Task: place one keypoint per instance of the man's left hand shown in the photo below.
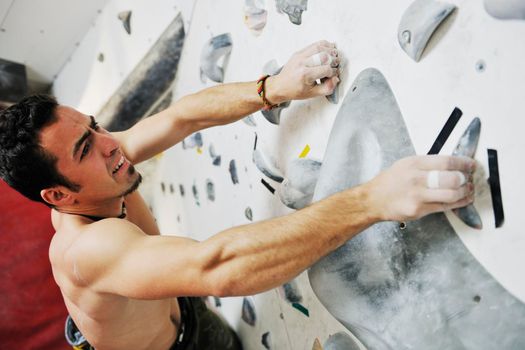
(298, 78)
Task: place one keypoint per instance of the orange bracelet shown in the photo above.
(260, 90)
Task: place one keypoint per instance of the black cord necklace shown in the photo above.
(98, 218)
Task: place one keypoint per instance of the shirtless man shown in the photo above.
(120, 279)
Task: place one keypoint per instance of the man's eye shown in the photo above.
(85, 150)
(96, 126)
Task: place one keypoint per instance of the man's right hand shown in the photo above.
(420, 185)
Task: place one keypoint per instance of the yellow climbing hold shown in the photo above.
(305, 151)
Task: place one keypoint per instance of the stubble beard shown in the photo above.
(136, 183)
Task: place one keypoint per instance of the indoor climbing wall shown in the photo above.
(418, 77)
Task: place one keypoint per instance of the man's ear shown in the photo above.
(57, 196)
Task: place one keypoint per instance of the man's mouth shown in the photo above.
(119, 165)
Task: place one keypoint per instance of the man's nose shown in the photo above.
(108, 145)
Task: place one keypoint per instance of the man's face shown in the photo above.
(88, 156)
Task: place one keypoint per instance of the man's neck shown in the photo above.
(113, 209)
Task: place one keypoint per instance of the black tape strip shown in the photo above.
(255, 143)
(446, 131)
(495, 189)
(268, 186)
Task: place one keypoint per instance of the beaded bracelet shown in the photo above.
(261, 91)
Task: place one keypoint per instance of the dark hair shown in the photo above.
(24, 164)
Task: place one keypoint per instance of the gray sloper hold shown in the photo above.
(274, 115)
(418, 23)
(298, 187)
(417, 288)
(216, 48)
(266, 164)
(467, 145)
(293, 8)
(340, 341)
(505, 9)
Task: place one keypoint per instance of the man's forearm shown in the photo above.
(224, 104)
(253, 258)
(218, 105)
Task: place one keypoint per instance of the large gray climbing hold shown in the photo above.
(298, 187)
(466, 147)
(293, 8)
(417, 288)
(216, 48)
(418, 23)
(506, 9)
(341, 341)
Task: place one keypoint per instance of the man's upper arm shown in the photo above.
(115, 256)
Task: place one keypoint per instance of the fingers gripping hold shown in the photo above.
(445, 179)
(435, 162)
(316, 73)
(322, 58)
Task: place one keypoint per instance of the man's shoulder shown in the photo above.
(88, 247)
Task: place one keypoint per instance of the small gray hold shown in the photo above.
(249, 121)
(216, 159)
(233, 172)
(248, 213)
(293, 8)
(266, 340)
(192, 141)
(195, 194)
(292, 294)
(125, 18)
(480, 66)
(248, 311)
(210, 190)
(214, 49)
(266, 164)
(419, 22)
